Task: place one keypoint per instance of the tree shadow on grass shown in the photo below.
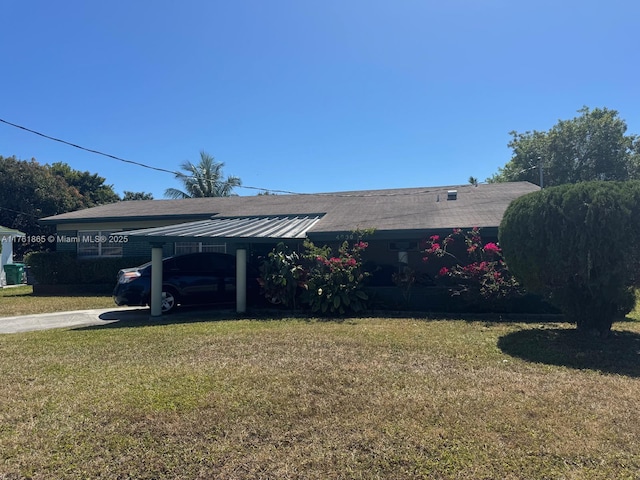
(618, 354)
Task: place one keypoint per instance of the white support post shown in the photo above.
(156, 280)
(241, 280)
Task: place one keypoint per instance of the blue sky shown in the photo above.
(307, 96)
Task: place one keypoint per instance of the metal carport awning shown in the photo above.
(249, 229)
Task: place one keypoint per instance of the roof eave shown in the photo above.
(181, 217)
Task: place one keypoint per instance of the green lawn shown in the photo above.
(294, 398)
(21, 301)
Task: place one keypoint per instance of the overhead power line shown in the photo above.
(175, 173)
(89, 149)
(114, 157)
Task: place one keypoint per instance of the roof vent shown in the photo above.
(452, 194)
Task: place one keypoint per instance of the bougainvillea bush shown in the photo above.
(335, 283)
(476, 270)
(327, 282)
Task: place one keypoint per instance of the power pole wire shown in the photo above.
(89, 149)
(139, 164)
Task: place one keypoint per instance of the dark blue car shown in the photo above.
(194, 278)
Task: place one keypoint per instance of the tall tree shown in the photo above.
(128, 195)
(89, 185)
(29, 191)
(591, 146)
(203, 180)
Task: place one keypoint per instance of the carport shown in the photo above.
(240, 232)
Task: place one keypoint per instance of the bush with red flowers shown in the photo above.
(482, 273)
(335, 283)
(320, 279)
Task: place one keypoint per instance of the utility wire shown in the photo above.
(139, 164)
(180, 174)
(88, 149)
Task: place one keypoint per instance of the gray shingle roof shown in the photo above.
(385, 210)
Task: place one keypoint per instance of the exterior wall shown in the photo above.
(139, 248)
(132, 248)
(66, 246)
(6, 257)
(383, 258)
(118, 225)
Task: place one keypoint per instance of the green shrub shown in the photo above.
(64, 268)
(327, 283)
(335, 283)
(576, 245)
(282, 276)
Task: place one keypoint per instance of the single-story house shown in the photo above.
(253, 225)
(7, 237)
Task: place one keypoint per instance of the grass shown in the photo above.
(21, 301)
(294, 398)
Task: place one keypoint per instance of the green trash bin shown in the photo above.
(14, 273)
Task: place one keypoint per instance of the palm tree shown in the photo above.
(203, 180)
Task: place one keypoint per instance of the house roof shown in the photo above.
(10, 232)
(406, 209)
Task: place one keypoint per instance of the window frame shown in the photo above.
(99, 245)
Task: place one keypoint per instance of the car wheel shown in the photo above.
(169, 301)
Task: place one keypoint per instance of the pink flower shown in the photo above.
(443, 272)
(456, 231)
(492, 248)
(435, 247)
(434, 238)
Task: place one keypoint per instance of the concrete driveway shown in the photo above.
(80, 318)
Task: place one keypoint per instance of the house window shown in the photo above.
(99, 243)
(193, 247)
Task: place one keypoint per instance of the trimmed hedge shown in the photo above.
(576, 245)
(64, 268)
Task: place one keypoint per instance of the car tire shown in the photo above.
(169, 300)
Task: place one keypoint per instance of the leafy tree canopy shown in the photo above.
(90, 186)
(30, 191)
(136, 196)
(203, 179)
(591, 146)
